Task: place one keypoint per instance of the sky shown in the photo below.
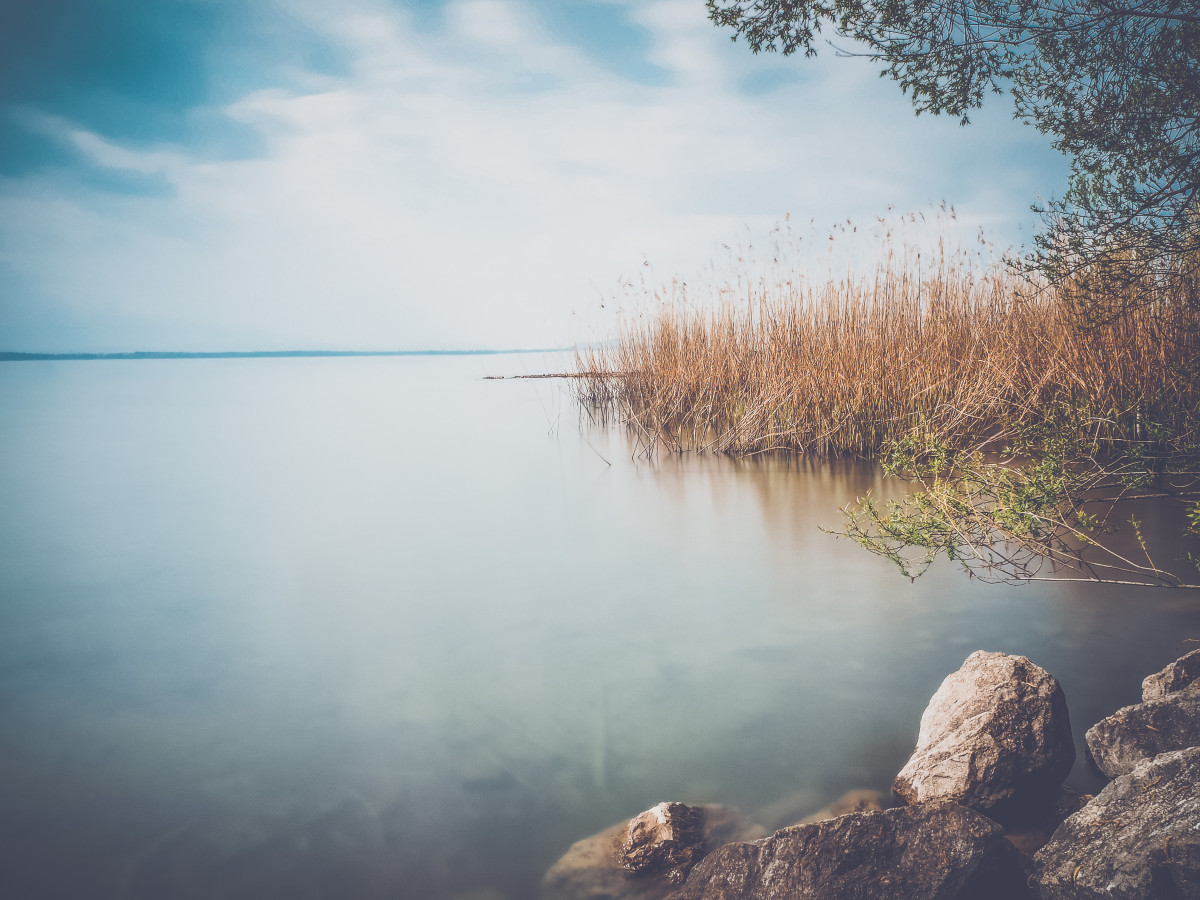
(198, 175)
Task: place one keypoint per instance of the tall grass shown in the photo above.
(955, 351)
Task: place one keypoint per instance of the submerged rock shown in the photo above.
(996, 736)
(930, 851)
(850, 802)
(1138, 733)
(597, 867)
(798, 808)
(1138, 839)
(1175, 677)
(789, 808)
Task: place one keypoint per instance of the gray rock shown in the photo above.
(996, 736)
(931, 851)
(1175, 677)
(1139, 839)
(667, 839)
(594, 868)
(1137, 733)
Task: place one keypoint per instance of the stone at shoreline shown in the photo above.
(593, 869)
(1139, 839)
(850, 802)
(1137, 733)
(798, 808)
(667, 839)
(996, 736)
(1175, 677)
(930, 851)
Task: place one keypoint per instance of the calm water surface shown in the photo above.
(358, 628)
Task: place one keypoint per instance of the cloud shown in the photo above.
(473, 185)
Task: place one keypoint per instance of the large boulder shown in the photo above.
(1137, 733)
(1175, 677)
(931, 851)
(1139, 839)
(600, 868)
(996, 737)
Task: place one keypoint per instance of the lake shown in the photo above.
(379, 627)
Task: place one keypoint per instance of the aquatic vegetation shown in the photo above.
(1019, 428)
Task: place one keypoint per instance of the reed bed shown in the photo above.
(954, 352)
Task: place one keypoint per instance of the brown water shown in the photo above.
(358, 628)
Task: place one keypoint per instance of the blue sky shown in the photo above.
(377, 174)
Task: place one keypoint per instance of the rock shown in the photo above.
(1137, 733)
(930, 850)
(996, 737)
(1175, 677)
(850, 802)
(1138, 839)
(667, 839)
(592, 868)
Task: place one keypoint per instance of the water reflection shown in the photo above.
(377, 627)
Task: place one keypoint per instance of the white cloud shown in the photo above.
(474, 187)
(496, 23)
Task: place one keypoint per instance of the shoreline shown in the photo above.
(980, 810)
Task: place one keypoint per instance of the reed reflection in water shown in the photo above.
(378, 627)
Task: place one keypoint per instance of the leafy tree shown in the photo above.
(1116, 83)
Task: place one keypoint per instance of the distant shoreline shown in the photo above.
(6, 356)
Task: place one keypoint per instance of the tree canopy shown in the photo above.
(1115, 84)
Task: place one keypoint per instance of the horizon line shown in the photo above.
(18, 356)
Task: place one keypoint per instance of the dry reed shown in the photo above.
(959, 352)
